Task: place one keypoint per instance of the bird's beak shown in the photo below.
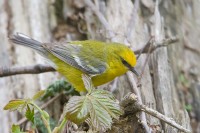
(134, 71)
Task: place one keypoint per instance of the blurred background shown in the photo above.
(170, 82)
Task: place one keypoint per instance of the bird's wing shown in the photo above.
(73, 55)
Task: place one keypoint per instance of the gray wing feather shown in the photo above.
(70, 53)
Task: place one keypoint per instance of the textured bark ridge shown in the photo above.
(170, 81)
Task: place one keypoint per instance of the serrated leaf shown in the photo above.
(14, 104)
(100, 118)
(30, 114)
(108, 102)
(16, 129)
(98, 106)
(38, 94)
(103, 94)
(77, 109)
(104, 108)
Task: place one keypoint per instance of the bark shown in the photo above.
(6, 117)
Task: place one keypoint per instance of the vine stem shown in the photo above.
(44, 118)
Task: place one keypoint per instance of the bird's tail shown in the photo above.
(24, 40)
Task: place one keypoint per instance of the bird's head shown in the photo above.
(128, 59)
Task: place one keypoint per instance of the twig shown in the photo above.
(163, 43)
(192, 49)
(148, 44)
(35, 69)
(137, 92)
(146, 60)
(42, 107)
(132, 100)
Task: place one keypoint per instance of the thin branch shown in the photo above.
(192, 49)
(163, 43)
(150, 41)
(146, 60)
(35, 69)
(131, 102)
(137, 92)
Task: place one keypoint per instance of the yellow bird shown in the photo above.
(102, 61)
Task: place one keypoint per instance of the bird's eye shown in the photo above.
(126, 63)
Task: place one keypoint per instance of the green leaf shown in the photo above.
(77, 109)
(38, 94)
(14, 104)
(100, 118)
(30, 114)
(16, 129)
(108, 102)
(98, 106)
(105, 107)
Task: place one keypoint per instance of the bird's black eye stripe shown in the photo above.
(126, 63)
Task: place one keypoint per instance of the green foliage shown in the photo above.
(38, 94)
(188, 107)
(30, 106)
(20, 104)
(16, 129)
(98, 107)
(16, 104)
(58, 87)
(30, 114)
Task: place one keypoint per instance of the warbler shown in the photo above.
(100, 60)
